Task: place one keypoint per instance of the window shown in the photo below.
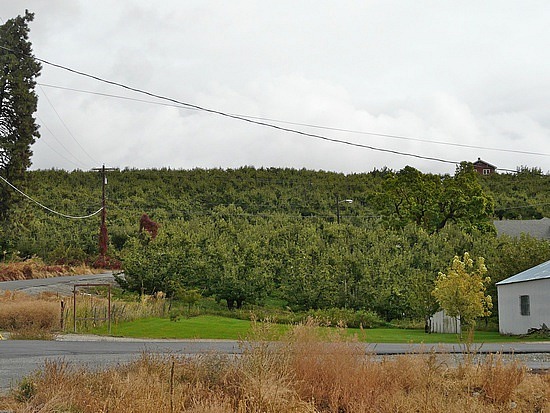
(486, 172)
(524, 305)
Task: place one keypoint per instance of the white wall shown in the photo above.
(510, 319)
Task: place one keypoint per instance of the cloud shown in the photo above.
(432, 71)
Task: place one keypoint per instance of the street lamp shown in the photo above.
(338, 202)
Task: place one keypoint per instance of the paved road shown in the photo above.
(61, 285)
(19, 358)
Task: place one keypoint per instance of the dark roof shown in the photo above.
(537, 228)
(539, 272)
(480, 161)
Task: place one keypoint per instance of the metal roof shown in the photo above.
(539, 272)
(537, 228)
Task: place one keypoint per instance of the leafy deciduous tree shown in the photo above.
(461, 292)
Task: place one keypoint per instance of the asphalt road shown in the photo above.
(19, 358)
(61, 285)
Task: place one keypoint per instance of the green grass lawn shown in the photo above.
(205, 327)
(215, 327)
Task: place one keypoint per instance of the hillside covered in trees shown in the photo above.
(372, 241)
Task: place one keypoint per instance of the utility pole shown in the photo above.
(103, 235)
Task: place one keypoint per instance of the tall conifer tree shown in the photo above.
(18, 102)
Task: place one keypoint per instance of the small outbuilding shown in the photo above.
(524, 300)
(440, 322)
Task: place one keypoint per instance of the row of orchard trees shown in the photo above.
(395, 198)
(314, 264)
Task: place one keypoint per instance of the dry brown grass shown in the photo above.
(301, 374)
(29, 317)
(39, 316)
(35, 268)
(92, 310)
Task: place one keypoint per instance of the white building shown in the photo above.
(524, 300)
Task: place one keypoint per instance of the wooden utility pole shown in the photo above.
(103, 235)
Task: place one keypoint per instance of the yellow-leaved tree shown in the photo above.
(461, 292)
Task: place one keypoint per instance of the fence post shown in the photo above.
(74, 308)
(62, 315)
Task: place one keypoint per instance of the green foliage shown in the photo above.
(432, 201)
(338, 317)
(461, 292)
(247, 236)
(26, 390)
(523, 195)
(18, 102)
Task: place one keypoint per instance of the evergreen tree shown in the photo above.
(18, 102)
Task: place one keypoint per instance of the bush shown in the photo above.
(346, 318)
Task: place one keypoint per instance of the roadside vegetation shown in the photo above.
(303, 373)
(26, 317)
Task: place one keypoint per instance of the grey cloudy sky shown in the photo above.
(466, 73)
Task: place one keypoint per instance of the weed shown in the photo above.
(25, 391)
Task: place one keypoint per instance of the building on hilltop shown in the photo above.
(484, 168)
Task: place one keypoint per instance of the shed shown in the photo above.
(524, 300)
(440, 322)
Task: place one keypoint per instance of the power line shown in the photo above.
(241, 118)
(62, 145)
(49, 209)
(65, 125)
(408, 138)
(245, 119)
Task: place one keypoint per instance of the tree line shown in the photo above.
(245, 235)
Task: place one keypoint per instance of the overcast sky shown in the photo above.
(473, 76)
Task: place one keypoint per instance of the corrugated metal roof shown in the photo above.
(539, 272)
(537, 228)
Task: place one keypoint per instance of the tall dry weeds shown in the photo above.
(28, 317)
(304, 373)
(35, 268)
(39, 316)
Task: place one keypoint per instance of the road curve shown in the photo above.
(62, 285)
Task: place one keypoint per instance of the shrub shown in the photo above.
(345, 318)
